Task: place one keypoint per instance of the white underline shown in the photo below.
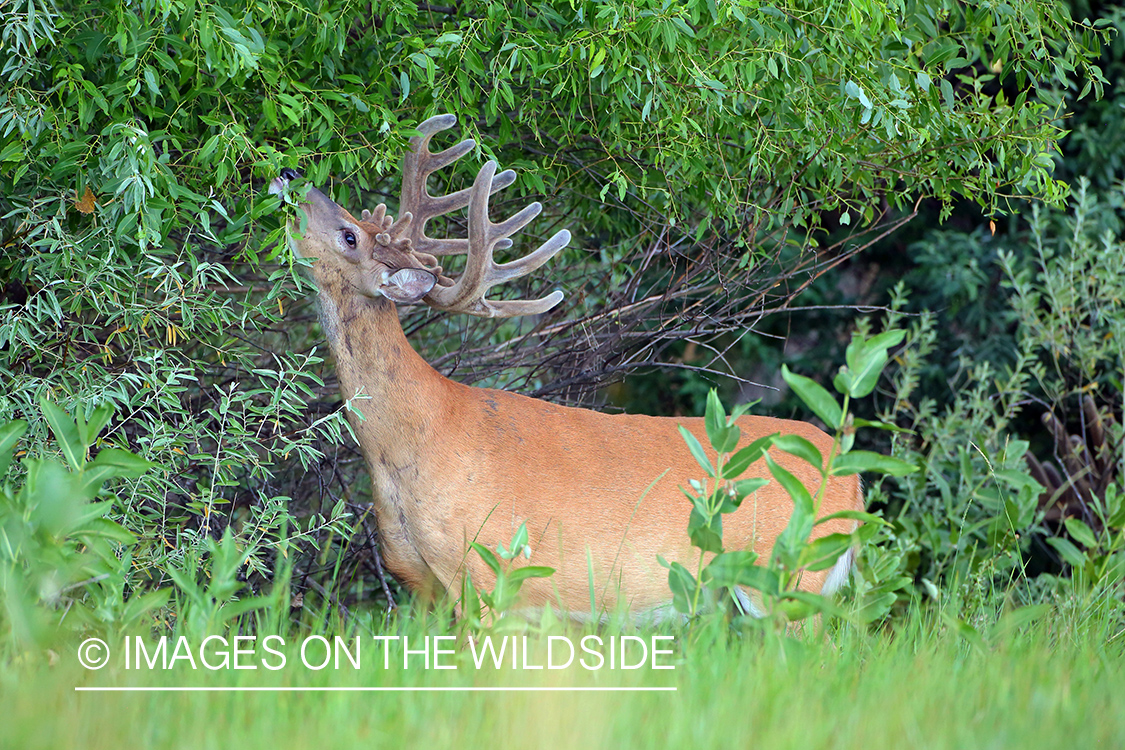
(218, 689)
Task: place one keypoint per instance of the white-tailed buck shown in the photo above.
(451, 464)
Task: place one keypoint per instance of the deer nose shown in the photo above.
(287, 175)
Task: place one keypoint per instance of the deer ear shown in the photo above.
(407, 285)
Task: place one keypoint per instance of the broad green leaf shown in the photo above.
(1082, 533)
(88, 429)
(234, 609)
(715, 421)
(519, 540)
(518, 575)
(743, 488)
(683, 586)
(855, 515)
(66, 433)
(107, 529)
(963, 629)
(874, 608)
(10, 433)
(488, 556)
(823, 553)
(760, 578)
(705, 533)
(797, 605)
(697, 451)
(1014, 620)
(741, 461)
(880, 425)
(787, 548)
(866, 359)
(121, 463)
(739, 569)
(139, 605)
(855, 462)
(801, 448)
(797, 491)
(814, 396)
(1070, 554)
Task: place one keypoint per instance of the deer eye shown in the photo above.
(349, 238)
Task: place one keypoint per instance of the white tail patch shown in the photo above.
(838, 576)
(746, 603)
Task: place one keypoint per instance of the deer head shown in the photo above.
(380, 256)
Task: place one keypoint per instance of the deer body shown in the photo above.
(452, 464)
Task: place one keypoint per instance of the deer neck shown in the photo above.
(399, 397)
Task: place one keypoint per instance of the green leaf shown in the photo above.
(797, 605)
(880, 425)
(705, 533)
(88, 429)
(487, 555)
(10, 433)
(1082, 533)
(947, 94)
(231, 610)
(66, 433)
(737, 568)
(518, 575)
(814, 396)
(1014, 620)
(142, 604)
(519, 540)
(823, 553)
(741, 461)
(107, 529)
(122, 463)
(855, 515)
(855, 462)
(866, 359)
(1070, 554)
(964, 629)
(875, 607)
(789, 543)
(470, 602)
(744, 487)
(697, 451)
(718, 431)
(761, 578)
(801, 448)
(682, 584)
(796, 490)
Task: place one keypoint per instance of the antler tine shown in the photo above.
(482, 272)
(418, 165)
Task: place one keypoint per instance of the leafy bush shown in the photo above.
(979, 512)
(63, 564)
(793, 553)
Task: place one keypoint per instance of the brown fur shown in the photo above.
(452, 464)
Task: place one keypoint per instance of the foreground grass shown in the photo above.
(1052, 684)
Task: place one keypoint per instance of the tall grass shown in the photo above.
(1049, 680)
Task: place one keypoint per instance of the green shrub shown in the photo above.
(983, 505)
(63, 564)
